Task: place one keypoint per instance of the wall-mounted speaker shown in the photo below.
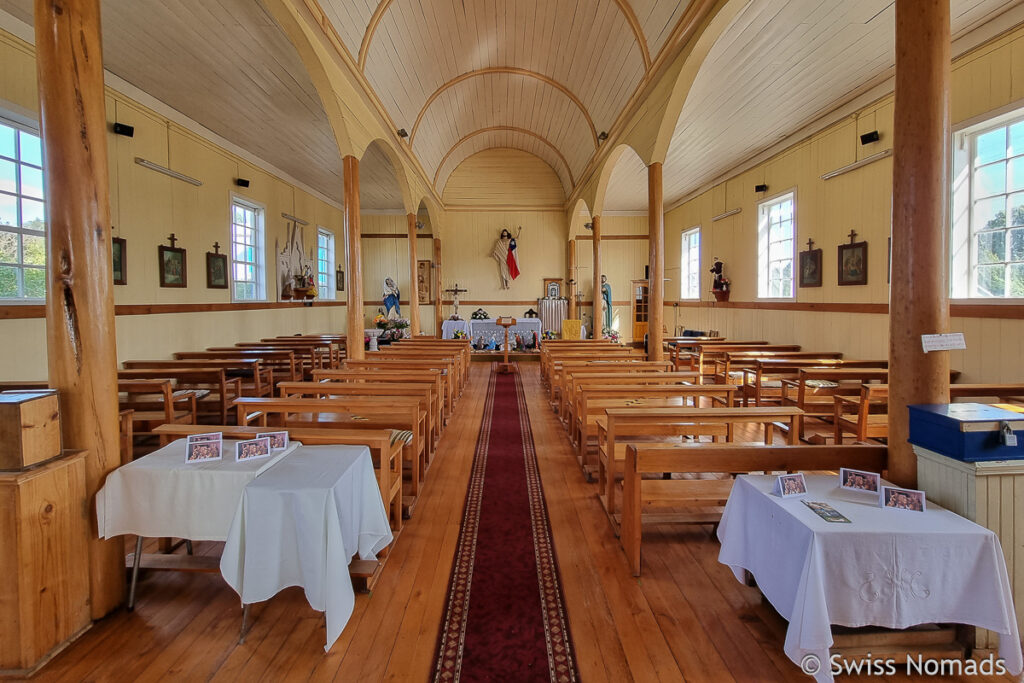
(241, 182)
(124, 129)
(760, 188)
(868, 138)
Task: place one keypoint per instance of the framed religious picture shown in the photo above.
(423, 281)
(173, 267)
(119, 260)
(853, 263)
(810, 268)
(216, 270)
(339, 280)
(552, 288)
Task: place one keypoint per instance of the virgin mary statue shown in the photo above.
(391, 297)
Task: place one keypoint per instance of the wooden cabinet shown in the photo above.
(44, 559)
(640, 312)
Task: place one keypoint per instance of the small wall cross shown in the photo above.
(852, 236)
(216, 247)
(810, 244)
(172, 239)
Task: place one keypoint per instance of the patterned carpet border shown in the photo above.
(451, 640)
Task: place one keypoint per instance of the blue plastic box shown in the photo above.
(970, 432)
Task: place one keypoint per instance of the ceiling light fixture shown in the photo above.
(720, 216)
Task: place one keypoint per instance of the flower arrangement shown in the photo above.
(459, 334)
(550, 334)
(610, 334)
(393, 328)
(480, 314)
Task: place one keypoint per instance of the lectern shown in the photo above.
(505, 366)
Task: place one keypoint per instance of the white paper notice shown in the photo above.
(943, 342)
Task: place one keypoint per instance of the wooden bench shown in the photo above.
(640, 494)
(385, 451)
(705, 353)
(813, 389)
(430, 378)
(600, 353)
(574, 381)
(363, 412)
(763, 382)
(458, 367)
(730, 367)
(283, 363)
(650, 398)
(222, 390)
(152, 402)
(563, 371)
(447, 380)
(255, 380)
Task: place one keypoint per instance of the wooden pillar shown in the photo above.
(438, 294)
(656, 241)
(918, 295)
(353, 232)
(414, 298)
(82, 355)
(571, 283)
(598, 299)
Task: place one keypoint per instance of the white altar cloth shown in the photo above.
(448, 328)
(162, 495)
(889, 568)
(301, 523)
(490, 328)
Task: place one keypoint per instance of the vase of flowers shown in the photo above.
(393, 328)
(610, 334)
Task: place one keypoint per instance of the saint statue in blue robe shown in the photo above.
(391, 298)
(606, 294)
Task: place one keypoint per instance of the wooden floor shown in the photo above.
(687, 618)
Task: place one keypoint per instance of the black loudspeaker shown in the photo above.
(647, 272)
(124, 129)
(760, 188)
(241, 182)
(868, 138)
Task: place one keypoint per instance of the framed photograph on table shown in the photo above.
(173, 267)
(216, 271)
(853, 263)
(119, 260)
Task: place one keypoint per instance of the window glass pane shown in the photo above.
(32, 182)
(30, 151)
(239, 290)
(1016, 204)
(991, 280)
(8, 247)
(239, 272)
(8, 210)
(990, 147)
(1015, 174)
(990, 213)
(786, 210)
(35, 282)
(1017, 138)
(1017, 244)
(8, 281)
(8, 183)
(33, 216)
(990, 180)
(34, 250)
(1017, 280)
(6, 141)
(991, 247)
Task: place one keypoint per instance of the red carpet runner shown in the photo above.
(505, 620)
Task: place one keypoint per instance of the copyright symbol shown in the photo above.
(810, 664)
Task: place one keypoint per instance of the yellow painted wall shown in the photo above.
(503, 177)
(986, 80)
(147, 206)
(622, 261)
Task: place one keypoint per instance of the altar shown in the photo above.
(489, 329)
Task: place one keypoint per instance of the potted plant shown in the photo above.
(721, 285)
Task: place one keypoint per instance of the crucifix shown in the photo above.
(852, 236)
(810, 244)
(455, 291)
(172, 239)
(216, 247)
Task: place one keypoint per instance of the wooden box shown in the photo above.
(44, 559)
(29, 428)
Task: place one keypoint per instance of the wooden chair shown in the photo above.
(853, 414)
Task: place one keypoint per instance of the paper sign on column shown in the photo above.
(943, 342)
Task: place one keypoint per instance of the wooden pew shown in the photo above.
(430, 378)
(458, 367)
(329, 389)
(563, 370)
(683, 351)
(386, 453)
(447, 381)
(222, 390)
(549, 354)
(574, 381)
(459, 347)
(283, 363)
(813, 389)
(591, 411)
(706, 353)
(730, 367)
(152, 403)
(763, 382)
(363, 412)
(640, 494)
(254, 379)
(606, 353)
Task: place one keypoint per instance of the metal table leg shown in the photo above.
(135, 573)
(245, 624)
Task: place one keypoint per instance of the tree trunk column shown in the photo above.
(918, 295)
(414, 296)
(598, 299)
(438, 294)
(353, 232)
(571, 284)
(656, 282)
(82, 359)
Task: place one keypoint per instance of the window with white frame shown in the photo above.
(325, 263)
(987, 240)
(22, 215)
(248, 270)
(775, 244)
(689, 265)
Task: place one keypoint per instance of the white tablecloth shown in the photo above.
(301, 523)
(552, 313)
(490, 328)
(448, 328)
(889, 568)
(161, 495)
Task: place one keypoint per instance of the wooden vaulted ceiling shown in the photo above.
(541, 76)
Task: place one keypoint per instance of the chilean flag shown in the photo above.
(513, 260)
